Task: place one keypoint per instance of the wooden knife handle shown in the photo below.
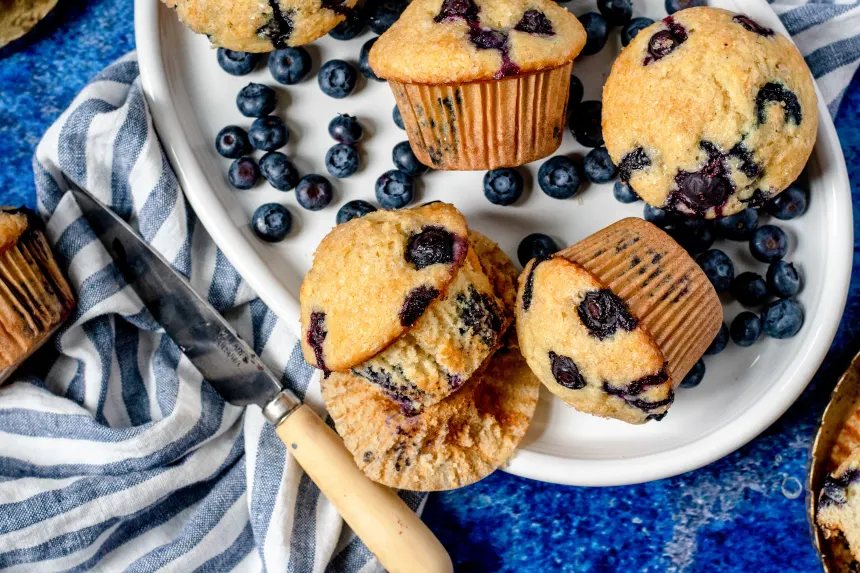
(398, 538)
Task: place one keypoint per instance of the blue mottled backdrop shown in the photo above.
(744, 513)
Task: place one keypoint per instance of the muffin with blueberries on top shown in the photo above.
(480, 84)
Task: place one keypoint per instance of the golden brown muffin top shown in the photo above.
(12, 226)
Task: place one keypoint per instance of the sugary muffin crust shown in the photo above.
(709, 113)
(12, 226)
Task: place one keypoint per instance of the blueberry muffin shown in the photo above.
(612, 324)
(839, 503)
(708, 113)
(34, 296)
(480, 83)
(17, 17)
(258, 26)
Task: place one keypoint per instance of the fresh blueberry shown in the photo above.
(271, 222)
(769, 243)
(314, 192)
(749, 289)
(673, 6)
(625, 193)
(576, 91)
(585, 123)
(632, 28)
(745, 329)
(718, 267)
(536, 245)
(783, 279)
(345, 129)
(243, 173)
(237, 63)
(268, 133)
(616, 12)
(342, 160)
(782, 318)
(740, 226)
(503, 186)
(695, 235)
(337, 78)
(694, 376)
(352, 210)
(596, 30)
(721, 340)
(789, 204)
(598, 166)
(364, 64)
(232, 142)
(660, 217)
(395, 189)
(352, 26)
(381, 14)
(404, 159)
(290, 65)
(559, 177)
(256, 100)
(279, 171)
(397, 117)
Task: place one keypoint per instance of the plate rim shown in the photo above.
(722, 441)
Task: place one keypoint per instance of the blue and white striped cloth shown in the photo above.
(114, 454)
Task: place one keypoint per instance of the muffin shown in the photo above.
(708, 113)
(17, 17)
(34, 296)
(613, 323)
(255, 26)
(839, 503)
(480, 83)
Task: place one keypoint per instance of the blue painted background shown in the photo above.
(740, 514)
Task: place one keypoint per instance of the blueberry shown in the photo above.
(596, 30)
(342, 160)
(789, 204)
(503, 186)
(694, 376)
(394, 189)
(536, 245)
(740, 226)
(625, 193)
(364, 64)
(351, 27)
(237, 63)
(268, 133)
(745, 329)
(352, 210)
(271, 222)
(598, 166)
(718, 267)
(381, 14)
(314, 192)
(243, 173)
(256, 100)
(749, 289)
(559, 177)
(769, 243)
(232, 142)
(576, 91)
(632, 28)
(279, 171)
(721, 340)
(432, 246)
(782, 318)
(397, 117)
(783, 279)
(660, 217)
(603, 313)
(345, 129)
(616, 12)
(673, 6)
(585, 123)
(337, 78)
(290, 65)
(404, 159)
(695, 235)
(566, 372)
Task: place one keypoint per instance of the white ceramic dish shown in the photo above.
(744, 391)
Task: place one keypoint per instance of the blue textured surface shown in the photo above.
(732, 516)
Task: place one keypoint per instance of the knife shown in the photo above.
(397, 537)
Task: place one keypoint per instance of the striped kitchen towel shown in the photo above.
(114, 454)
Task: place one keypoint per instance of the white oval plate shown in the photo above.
(744, 390)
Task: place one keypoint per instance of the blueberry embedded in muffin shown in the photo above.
(838, 510)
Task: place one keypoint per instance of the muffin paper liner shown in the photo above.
(488, 124)
(663, 286)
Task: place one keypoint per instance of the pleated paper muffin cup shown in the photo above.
(486, 124)
(34, 296)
